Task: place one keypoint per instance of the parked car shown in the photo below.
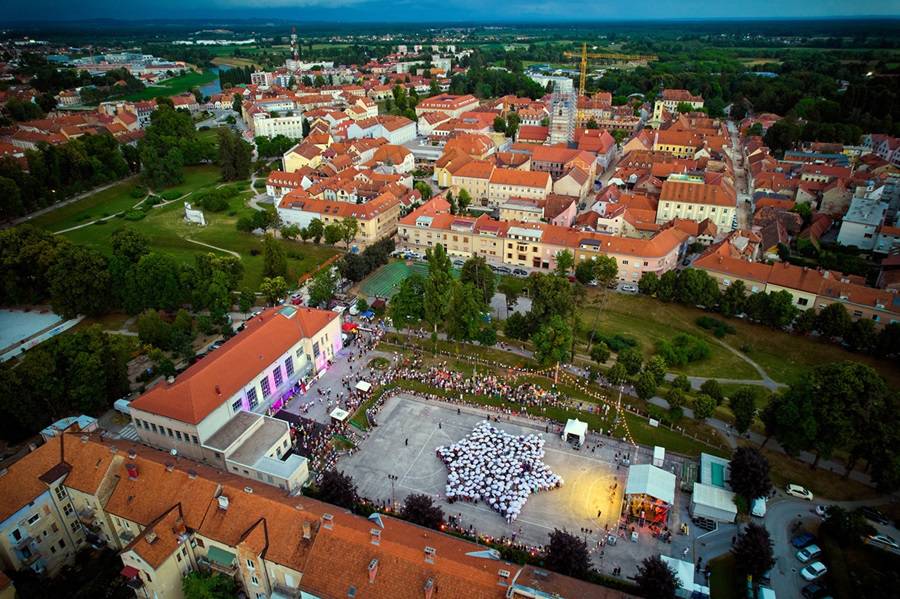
(883, 540)
(798, 491)
(809, 552)
(504, 270)
(457, 262)
(803, 539)
(813, 590)
(813, 571)
(629, 288)
(520, 272)
(870, 513)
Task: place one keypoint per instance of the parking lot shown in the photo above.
(404, 444)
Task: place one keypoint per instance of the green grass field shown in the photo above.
(783, 356)
(173, 86)
(386, 281)
(168, 233)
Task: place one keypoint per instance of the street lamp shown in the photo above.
(393, 478)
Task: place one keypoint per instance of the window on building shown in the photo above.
(316, 349)
(154, 427)
(266, 389)
(250, 564)
(75, 526)
(802, 301)
(178, 435)
(61, 492)
(289, 366)
(195, 439)
(53, 527)
(62, 543)
(171, 433)
(252, 399)
(236, 406)
(68, 509)
(34, 519)
(276, 374)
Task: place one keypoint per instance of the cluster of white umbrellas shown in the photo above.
(497, 468)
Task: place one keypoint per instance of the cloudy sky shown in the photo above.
(438, 10)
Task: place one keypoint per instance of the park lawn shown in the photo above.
(649, 321)
(210, 135)
(109, 201)
(173, 86)
(723, 578)
(785, 357)
(823, 484)
(168, 233)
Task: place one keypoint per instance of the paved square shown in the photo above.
(592, 482)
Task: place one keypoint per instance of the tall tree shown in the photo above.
(274, 258)
(464, 314)
(275, 288)
(655, 579)
(337, 488)
(476, 272)
(750, 473)
(752, 552)
(743, 406)
(567, 554)
(322, 288)
(406, 308)
(552, 341)
(420, 509)
(438, 287)
(564, 262)
(79, 282)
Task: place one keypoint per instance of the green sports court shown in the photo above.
(386, 281)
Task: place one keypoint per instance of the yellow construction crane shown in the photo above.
(584, 56)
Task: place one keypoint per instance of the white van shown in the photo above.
(758, 507)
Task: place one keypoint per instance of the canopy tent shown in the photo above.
(649, 493)
(577, 429)
(349, 327)
(659, 456)
(339, 414)
(368, 315)
(363, 386)
(684, 574)
(646, 479)
(715, 503)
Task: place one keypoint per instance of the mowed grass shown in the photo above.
(109, 201)
(168, 233)
(649, 321)
(173, 86)
(823, 483)
(783, 356)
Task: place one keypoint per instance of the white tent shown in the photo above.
(577, 428)
(646, 479)
(684, 574)
(715, 503)
(363, 386)
(339, 414)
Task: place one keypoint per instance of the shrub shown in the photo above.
(137, 192)
(134, 215)
(172, 194)
(616, 342)
(152, 200)
(683, 349)
(719, 328)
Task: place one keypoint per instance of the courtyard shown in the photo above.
(403, 446)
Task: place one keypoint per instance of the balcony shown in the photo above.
(221, 561)
(24, 541)
(32, 557)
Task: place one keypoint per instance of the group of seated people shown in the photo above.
(497, 468)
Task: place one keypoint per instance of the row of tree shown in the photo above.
(776, 309)
(57, 172)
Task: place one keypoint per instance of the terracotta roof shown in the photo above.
(476, 169)
(161, 539)
(697, 193)
(208, 383)
(515, 177)
(21, 483)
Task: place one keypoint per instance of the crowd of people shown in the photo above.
(498, 468)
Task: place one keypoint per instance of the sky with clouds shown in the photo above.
(440, 10)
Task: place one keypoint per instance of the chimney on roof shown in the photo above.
(429, 554)
(132, 454)
(132, 470)
(151, 537)
(429, 588)
(327, 521)
(223, 502)
(84, 438)
(179, 528)
(373, 570)
(192, 474)
(170, 380)
(170, 466)
(218, 390)
(307, 530)
(504, 577)
(248, 490)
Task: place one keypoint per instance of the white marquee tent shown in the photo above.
(363, 386)
(646, 479)
(577, 428)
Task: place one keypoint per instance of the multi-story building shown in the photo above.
(506, 183)
(262, 79)
(265, 124)
(860, 226)
(562, 117)
(448, 104)
(169, 516)
(689, 197)
(534, 245)
(669, 100)
(809, 288)
(203, 413)
(377, 219)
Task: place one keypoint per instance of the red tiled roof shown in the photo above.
(208, 383)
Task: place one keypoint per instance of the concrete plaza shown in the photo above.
(404, 443)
